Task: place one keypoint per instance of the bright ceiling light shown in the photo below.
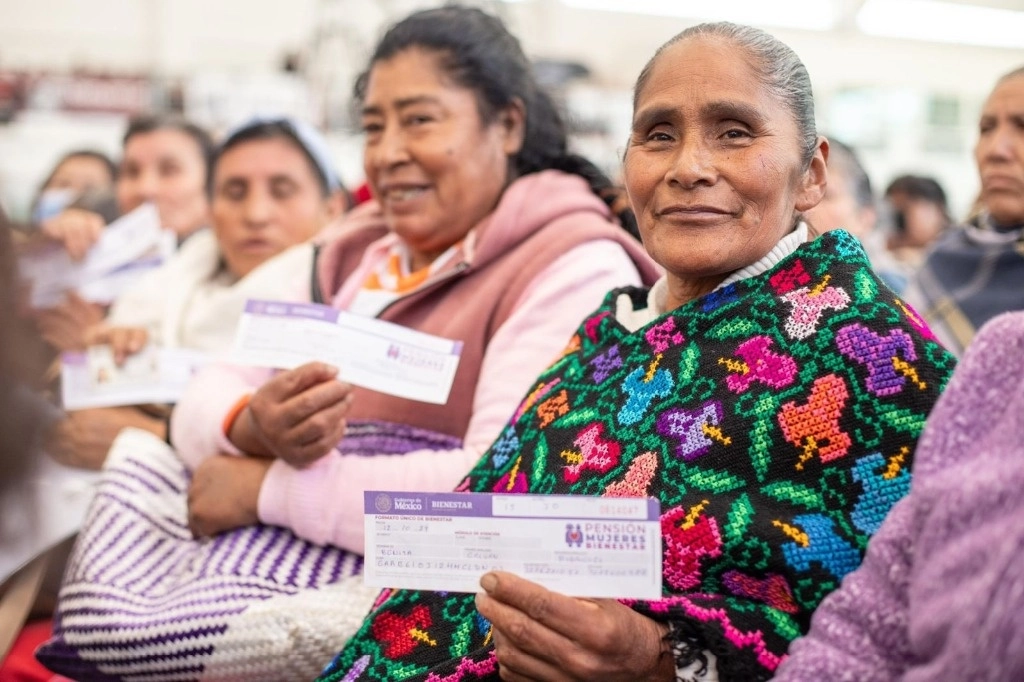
(944, 22)
(817, 15)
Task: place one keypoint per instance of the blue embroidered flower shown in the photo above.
(644, 385)
(507, 444)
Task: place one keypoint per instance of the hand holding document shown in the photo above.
(579, 546)
(368, 352)
(154, 375)
(128, 246)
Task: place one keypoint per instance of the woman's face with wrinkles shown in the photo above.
(714, 166)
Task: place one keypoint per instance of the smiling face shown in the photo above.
(165, 166)
(435, 166)
(1000, 152)
(266, 198)
(713, 167)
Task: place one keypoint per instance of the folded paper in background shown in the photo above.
(154, 375)
(127, 247)
(368, 352)
(576, 545)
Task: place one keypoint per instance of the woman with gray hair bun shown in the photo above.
(736, 392)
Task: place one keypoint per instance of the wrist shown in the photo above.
(664, 668)
(243, 433)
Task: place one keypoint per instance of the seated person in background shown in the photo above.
(79, 174)
(767, 391)
(940, 595)
(272, 188)
(849, 204)
(919, 217)
(165, 161)
(491, 234)
(976, 271)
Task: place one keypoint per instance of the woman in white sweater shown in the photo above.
(271, 189)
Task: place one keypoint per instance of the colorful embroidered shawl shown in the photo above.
(775, 419)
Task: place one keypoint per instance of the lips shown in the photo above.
(693, 214)
(999, 181)
(255, 246)
(692, 209)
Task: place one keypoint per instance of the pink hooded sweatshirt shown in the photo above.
(324, 502)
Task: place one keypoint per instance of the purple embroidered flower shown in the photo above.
(606, 363)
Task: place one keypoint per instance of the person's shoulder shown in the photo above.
(999, 342)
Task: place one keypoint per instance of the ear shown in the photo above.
(512, 120)
(815, 178)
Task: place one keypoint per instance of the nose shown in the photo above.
(257, 208)
(693, 164)
(998, 143)
(147, 185)
(390, 148)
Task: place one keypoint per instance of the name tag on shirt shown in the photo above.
(368, 352)
(578, 546)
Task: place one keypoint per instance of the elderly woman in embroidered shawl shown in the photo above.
(768, 391)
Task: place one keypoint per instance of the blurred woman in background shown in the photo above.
(850, 204)
(976, 271)
(78, 174)
(165, 161)
(920, 214)
(272, 188)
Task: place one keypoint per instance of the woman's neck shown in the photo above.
(682, 291)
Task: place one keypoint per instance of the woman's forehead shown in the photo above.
(707, 74)
(412, 70)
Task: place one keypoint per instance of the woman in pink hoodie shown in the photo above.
(488, 232)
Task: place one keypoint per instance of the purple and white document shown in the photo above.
(368, 352)
(579, 546)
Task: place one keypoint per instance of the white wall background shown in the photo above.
(238, 37)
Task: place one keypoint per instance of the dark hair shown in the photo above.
(477, 52)
(270, 130)
(845, 159)
(150, 124)
(104, 160)
(918, 187)
(779, 68)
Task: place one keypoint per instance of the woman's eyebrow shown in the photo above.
(404, 103)
(645, 118)
(717, 110)
(732, 110)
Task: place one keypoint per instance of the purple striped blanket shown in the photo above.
(143, 600)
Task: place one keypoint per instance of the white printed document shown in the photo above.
(368, 352)
(572, 544)
(127, 247)
(154, 375)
